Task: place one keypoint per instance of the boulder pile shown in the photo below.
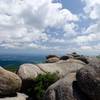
(83, 84)
(79, 79)
(74, 55)
(31, 71)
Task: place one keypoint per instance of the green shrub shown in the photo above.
(98, 57)
(42, 82)
(37, 89)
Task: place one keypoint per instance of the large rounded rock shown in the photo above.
(89, 81)
(10, 83)
(19, 96)
(29, 71)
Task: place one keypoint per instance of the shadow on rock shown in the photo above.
(78, 93)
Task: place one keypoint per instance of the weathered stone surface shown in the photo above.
(29, 71)
(89, 81)
(10, 83)
(93, 61)
(76, 56)
(52, 60)
(64, 89)
(19, 96)
(82, 58)
(61, 90)
(63, 67)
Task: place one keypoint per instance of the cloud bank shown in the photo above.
(47, 25)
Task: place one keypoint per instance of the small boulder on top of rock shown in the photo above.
(64, 57)
(51, 56)
(52, 59)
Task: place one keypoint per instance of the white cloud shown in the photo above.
(92, 8)
(91, 48)
(70, 30)
(54, 40)
(95, 28)
(87, 38)
(58, 18)
(86, 48)
(23, 22)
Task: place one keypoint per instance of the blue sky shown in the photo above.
(50, 26)
(74, 6)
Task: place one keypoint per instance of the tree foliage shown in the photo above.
(42, 82)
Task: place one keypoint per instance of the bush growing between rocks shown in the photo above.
(41, 83)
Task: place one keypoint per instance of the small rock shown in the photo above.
(64, 57)
(52, 60)
(74, 54)
(51, 56)
(19, 96)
